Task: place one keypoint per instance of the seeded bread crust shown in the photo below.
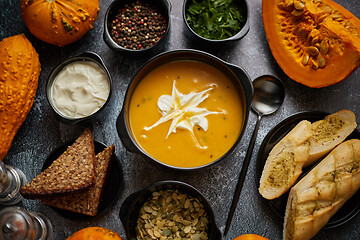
(72, 171)
(88, 201)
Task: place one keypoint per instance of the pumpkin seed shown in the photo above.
(187, 229)
(196, 237)
(324, 47)
(326, 10)
(150, 233)
(145, 216)
(315, 40)
(337, 16)
(140, 232)
(321, 60)
(288, 3)
(166, 232)
(315, 65)
(186, 222)
(313, 50)
(148, 209)
(299, 5)
(297, 13)
(305, 59)
(156, 194)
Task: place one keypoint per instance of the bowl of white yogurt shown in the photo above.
(79, 88)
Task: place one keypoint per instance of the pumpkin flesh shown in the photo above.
(318, 45)
(59, 22)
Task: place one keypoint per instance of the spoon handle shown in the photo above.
(242, 175)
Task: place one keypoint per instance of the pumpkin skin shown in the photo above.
(94, 233)
(293, 34)
(59, 22)
(19, 75)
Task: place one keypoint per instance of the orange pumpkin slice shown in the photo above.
(315, 42)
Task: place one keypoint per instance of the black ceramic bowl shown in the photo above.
(236, 74)
(129, 211)
(164, 6)
(86, 56)
(243, 31)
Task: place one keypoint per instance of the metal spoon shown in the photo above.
(269, 94)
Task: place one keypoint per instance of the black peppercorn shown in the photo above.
(138, 25)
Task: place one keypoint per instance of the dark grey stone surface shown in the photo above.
(42, 132)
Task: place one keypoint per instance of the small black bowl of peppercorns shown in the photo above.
(136, 26)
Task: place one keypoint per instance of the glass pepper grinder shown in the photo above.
(19, 224)
(11, 180)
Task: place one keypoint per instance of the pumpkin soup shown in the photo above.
(186, 114)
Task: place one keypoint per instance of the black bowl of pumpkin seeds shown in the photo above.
(168, 210)
(136, 26)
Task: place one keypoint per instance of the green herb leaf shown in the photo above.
(215, 19)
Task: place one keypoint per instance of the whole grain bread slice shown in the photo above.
(87, 202)
(73, 171)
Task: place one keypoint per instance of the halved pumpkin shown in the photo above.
(315, 42)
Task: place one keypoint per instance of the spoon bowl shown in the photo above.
(269, 94)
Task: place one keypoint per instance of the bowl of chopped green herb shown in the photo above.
(217, 20)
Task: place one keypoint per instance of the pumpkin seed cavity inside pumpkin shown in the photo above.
(304, 29)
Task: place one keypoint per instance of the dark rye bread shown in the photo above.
(87, 202)
(72, 171)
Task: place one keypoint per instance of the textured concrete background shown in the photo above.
(42, 132)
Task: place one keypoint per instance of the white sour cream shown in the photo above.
(80, 89)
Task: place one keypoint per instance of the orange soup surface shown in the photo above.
(186, 114)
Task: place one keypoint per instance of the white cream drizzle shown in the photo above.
(183, 111)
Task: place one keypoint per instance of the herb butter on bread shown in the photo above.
(285, 161)
(317, 196)
(72, 171)
(330, 132)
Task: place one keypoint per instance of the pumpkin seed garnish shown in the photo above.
(170, 214)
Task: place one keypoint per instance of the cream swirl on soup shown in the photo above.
(184, 112)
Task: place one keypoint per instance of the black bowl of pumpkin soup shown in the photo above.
(185, 109)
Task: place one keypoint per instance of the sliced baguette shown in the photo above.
(330, 132)
(73, 171)
(317, 196)
(87, 202)
(285, 161)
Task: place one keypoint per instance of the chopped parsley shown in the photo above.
(215, 19)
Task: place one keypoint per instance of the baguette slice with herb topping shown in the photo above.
(330, 132)
(285, 161)
(317, 196)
